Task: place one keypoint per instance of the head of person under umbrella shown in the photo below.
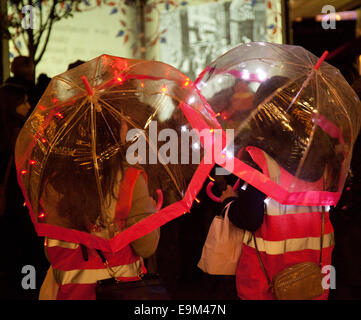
(285, 129)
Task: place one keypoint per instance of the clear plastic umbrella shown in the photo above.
(293, 106)
(94, 121)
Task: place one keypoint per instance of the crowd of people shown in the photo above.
(19, 241)
(178, 245)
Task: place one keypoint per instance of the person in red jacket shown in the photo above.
(70, 199)
(285, 234)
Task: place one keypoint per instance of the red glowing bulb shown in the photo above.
(23, 172)
(41, 215)
(32, 162)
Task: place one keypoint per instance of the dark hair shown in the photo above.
(11, 96)
(75, 64)
(72, 173)
(22, 66)
(80, 207)
(286, 146)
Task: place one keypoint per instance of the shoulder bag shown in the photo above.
(223, 246)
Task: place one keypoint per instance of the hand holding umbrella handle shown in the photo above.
(159, 199)
(215, 198)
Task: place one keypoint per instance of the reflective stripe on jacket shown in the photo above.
(289, 235)
(76, 276)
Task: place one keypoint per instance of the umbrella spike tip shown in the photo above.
(319, 62)
(87, 85)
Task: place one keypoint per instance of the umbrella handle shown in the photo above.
(215, 198)
(159, 199)
(210, 193)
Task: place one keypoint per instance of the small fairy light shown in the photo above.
(164, 89)
(142, 84)
(41, 215)
(59, 115)
(211, 130)
(186, 83)
(262, 76)
(43, 140)
(196, 146)
(245, 75)
(32, 162)
(22, 172)
(212, 179)
(120, 79)
(184, 128)
(191, 100)
(229, 154)
(197, 200)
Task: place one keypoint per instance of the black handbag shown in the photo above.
(148, 287)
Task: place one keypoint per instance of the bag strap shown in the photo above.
(321, 247)
(226, 208)
(261, 262)
(142, 270)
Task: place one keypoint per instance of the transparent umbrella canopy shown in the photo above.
(295, 107)
(92, 123)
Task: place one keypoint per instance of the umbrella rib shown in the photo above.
(94, 155)
(147, 139)
(52, 145)
(304, 84)
(92, 79)
(334, 91)
(307, 149)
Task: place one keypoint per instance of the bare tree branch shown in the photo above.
(35, 40)
(51, 21)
